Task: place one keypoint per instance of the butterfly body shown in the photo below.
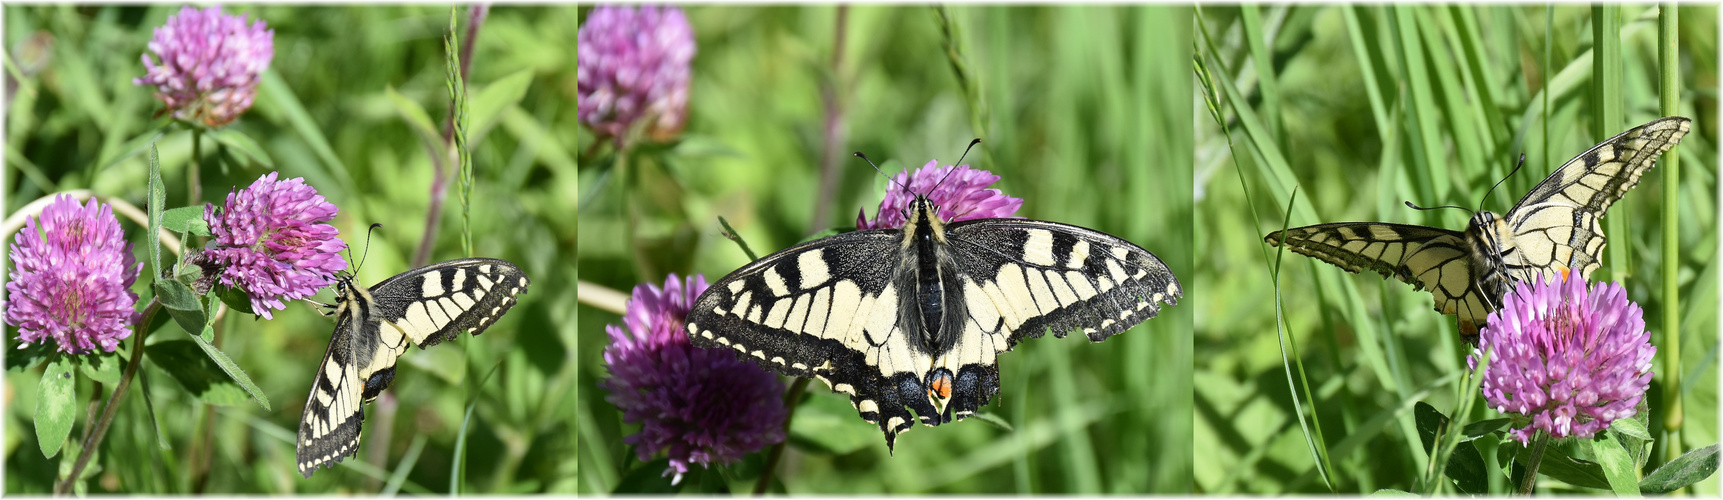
(914, 318)
(375, 326)
(1553, 230)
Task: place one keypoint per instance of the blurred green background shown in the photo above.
(1364, 107)
(1085, 113)
(326, 113)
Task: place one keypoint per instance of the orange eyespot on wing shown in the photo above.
(940, 386)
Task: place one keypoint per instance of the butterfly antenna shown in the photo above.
(367, 251)
(1511, 173)
(859, 154)
(1416, 207)
(954, 165)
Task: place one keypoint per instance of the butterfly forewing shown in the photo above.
(1556, 223)
(440, 301)
(1427, 258)
(375, 326)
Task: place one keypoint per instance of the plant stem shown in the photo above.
(195, 192)
(834, 126)
(791, 398)
(1528, 483)
(1669, 88)
(440, 159)
(94, 440)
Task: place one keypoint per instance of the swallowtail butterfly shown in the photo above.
(1553, 229)
(914, 318)
(373, 327)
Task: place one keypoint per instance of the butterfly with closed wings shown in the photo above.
(1553, 229)
(373, 328)
(913, 318)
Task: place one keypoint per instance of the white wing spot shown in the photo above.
(462, 300)
(1038, 249)
(523, 282)
(775, 282)
(812, 265)
(485, 282)
(736, 287)
(760, 354)
(460, 278)
(778, 360)
(1079, 253)
(432, 285)
(485, 269)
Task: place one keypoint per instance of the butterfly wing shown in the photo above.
(832, 309)
(421, 307)
(1555, 226)
(1022, 278)
(329, 427)
(1428, 258)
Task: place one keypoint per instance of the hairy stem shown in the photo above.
(194, 193)
(94, 440)
(1530, 482)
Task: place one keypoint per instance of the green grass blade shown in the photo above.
(1669, 91)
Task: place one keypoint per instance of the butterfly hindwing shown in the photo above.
(375, 326)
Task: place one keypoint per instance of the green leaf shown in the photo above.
(150, 406)
(26, 356)
(227, 365)
(185, 219)
(1394, 494)
(1630, 428)
(236, 300)
(1557, 464)
(196, 372)
(182, 304)
(157, 198)
(1466, 466)
(1479, 428)
(1617, 466)
(418, 120)
(104, 368)
(1691, 467)
(237, 141)
(488, 104)
(274, 91)
(146, 140)
(56, 404)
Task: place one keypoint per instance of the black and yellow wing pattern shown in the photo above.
(914, 318)
(374, 326)
(1553, 229)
